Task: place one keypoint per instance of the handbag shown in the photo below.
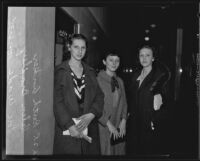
(117, 140)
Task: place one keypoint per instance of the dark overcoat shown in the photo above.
(66, 107)
(143, 120)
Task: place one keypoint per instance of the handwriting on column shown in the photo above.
(11, 76)
(36, 102)
(36, 137)
(36, 122)
(23, 87)
(31, 68)
(26, 66)
(36, 69)
(11, 34)
(10, 123)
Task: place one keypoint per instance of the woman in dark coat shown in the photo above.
(148, 100)
(77, 95)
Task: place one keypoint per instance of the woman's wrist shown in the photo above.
(123, 120)
(108, 123)
(92, 115)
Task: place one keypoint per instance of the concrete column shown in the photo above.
(15, 80)
(30, 119)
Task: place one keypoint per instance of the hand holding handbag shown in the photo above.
(117, 140)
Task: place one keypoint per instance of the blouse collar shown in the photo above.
(105, 76)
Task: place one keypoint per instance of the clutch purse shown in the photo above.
(118, 140)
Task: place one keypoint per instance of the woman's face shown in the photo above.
(77, 49)
(112, 63)
(146, 57)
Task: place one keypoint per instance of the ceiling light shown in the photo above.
(146, 38)
(94, 38)
(153, 25)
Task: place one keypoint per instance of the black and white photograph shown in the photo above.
(100, 80)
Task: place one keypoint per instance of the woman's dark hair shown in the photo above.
(147, 46)
(106, 54)
(69, 41)
(77, 36)
(110, 53)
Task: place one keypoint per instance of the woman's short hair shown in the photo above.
(77, 36)
(148, 46)
(110, 53)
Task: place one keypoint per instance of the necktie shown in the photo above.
(114, 84)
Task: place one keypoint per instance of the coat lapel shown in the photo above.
(88, 89)
(71, 97)
(146, 80)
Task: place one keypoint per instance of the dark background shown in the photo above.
(127, 27)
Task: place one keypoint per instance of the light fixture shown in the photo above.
(146, 38)
(94, 37)
(163, 7)
(153, 25)
(77, 28)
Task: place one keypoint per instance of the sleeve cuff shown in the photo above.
(124, 117)
(68, 125)
(96, 114)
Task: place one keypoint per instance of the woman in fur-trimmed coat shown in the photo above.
(148, 99)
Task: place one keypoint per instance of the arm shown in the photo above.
(62, 116)
(158, 89)
(98, 103)
(95, 110)
(122, 125)
(106, 112)
(163, 112)
(124, 103)
(103, 120)
(157, 102)
(112, 129)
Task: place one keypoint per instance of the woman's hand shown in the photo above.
(157, 102)
(85, 121)
(74, 132)
(122, 128)
(112, 129)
